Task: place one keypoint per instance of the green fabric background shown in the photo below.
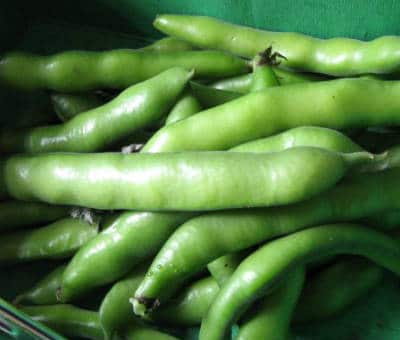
(48, 26)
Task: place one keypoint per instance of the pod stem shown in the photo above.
(360, 159)
(143, 306)
(382, 161)
(267, 57)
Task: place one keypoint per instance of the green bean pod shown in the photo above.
(16, 215)
(58, 240)
(205, 238)
(223, 267)
(242, 84)
(131, 238)
(115, 310)
(68, 106)
(337, 56)
(74, 71)
(263, 74)
(137, 331)
(259, 271)
(44, 292)
(68, 320)
(328, 292)
(210, 97)
(338, 104)
(336, 287)
(270, 318)
(305, 136)
(185, 107)
(135, 108)
(168, 44)
(226, 179)
(189, 307)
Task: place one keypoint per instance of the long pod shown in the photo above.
(43, 292)
(131, 238)
(259, 271)
(210, 97)
(338, 104)
(334, 288)
(135, 108)
(337, 56)
(190, 306)
(115, 311)
(77, 71)
(305, 136)
(325, 294)
(16, 214)
(186, 181)
(242, 84)
(185, 107)
(67, 105)
(69, 320)
(137, 331)
(168, 44)
(270, 317)
(205, 238)
(60, 239)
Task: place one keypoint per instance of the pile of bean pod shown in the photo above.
(220, 176)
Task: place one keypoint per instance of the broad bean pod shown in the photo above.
(185, 107)
(58, 240)
(242, 84)
(131, 238)
(68, 105)
(168, 44)
(16, 214)
(137, 331)
(337, 56)
(333, 289)
(223, 267)
(258, 272)
(189, 307)
(69, 320)
(210, 97)
(305, 136)
(172, 181)
(326, 293)
(205, 238)
(270, 317)
(77, 71)
(338, 104)
(134, 109)
(264, 75)
(44, 292)
(115, 311)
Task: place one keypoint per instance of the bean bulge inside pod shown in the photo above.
(177, 181)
